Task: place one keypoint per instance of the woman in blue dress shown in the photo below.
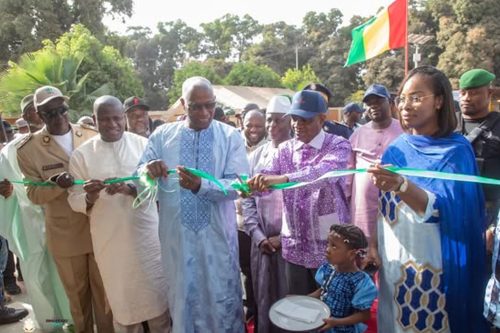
(430, 231)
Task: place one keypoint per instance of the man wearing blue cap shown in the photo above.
(368, 144)
(482, 129)
(352, 115)
(309, 211)
(332, 127)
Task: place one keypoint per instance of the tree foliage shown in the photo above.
(26, 23)
(296, 79)
(156, 57)
(319, 27)
(387, 70)
(277, 49)
(103, 63)
(249, 74)
(79, 64)
(356, 97)
(468, 34)
(46, 67)
(328, 64)
(193, 68)
(229, 36)
(243, 51)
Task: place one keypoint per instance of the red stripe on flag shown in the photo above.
(397, 24)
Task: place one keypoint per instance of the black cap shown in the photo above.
(320, 88)
(250, 107)
(134, 103)
(219, 113)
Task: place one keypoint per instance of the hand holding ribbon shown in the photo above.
(263, 183)
(385, 179)
(64, 180)
(6, 188)
(188, 180)
(92, 188)
(157, 169)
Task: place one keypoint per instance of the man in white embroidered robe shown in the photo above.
(125, 240)
(197, 219)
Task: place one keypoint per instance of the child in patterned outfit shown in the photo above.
(348, 291)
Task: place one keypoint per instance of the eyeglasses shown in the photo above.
(199, 107)
(412, 99)
(54, 113)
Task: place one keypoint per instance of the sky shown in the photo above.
(193, 12)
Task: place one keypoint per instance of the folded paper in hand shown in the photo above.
(297, 312)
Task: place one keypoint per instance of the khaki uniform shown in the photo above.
(40, 158)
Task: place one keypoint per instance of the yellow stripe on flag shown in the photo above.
(376, 35)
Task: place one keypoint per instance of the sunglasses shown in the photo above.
(199, 107)
(54, 113)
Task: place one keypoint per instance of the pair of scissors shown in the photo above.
(244, 185)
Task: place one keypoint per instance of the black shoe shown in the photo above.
(12, 289)
(11, 315)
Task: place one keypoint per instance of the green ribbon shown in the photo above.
(195, 172)
(151, 185)
(75, 182)
(444, 175)
(402, 171)
(29, 182)
(209, 177)
(241, 185)
(150, 191)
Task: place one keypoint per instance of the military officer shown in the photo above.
(482, 128)
(44, 156)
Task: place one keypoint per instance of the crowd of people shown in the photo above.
(95, 250)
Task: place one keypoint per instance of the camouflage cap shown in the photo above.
(475, 78)
(45, 94)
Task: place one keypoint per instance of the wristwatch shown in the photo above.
(403, 187)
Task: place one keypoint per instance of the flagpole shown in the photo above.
(406, 39)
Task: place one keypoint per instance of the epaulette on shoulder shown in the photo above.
(24, 140)
(88, 127)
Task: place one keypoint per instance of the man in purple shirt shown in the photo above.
(309, 210)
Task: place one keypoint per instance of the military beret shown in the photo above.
(475, 78)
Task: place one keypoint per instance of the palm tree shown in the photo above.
(47, 67)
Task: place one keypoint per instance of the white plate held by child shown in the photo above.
(299, 313)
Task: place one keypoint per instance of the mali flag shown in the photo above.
(383, 32)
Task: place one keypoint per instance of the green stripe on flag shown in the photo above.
(357, 51)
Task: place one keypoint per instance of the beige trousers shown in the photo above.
(87, 299)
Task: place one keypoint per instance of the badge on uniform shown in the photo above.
(52, 166)
(46, 139)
